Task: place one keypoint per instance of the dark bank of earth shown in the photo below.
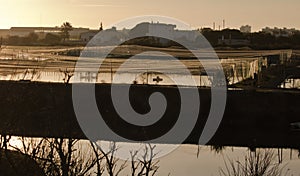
(252, 118)
(13, 163)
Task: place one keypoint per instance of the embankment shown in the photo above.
(253, 118)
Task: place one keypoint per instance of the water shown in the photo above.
(49, 69)
(200, 160)
(44, 66)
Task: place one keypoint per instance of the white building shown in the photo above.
(112, 36)
(165, 30)
(87, 36)
(106, 37)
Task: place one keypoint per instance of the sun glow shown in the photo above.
(202, 13)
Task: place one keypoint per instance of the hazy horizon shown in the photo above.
(197, 13)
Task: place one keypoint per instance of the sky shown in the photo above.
(196, 13)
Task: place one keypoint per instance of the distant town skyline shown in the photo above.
(196, 13)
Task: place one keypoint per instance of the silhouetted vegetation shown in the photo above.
(146, 165)
(226, 38)
(14, 163)
(43, 38)
(31, 39)
(259, 163)
(66, 27)
(217, 148)
(256, 40)
(71, 157)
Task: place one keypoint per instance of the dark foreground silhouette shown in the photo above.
(252, 118)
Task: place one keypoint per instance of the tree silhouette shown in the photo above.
(101, 27)
(66, 27)
(258, 163)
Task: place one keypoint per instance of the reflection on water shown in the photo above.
(193, 160)
(240, 69)
(183, 160)
(43, 64)
(291, 83)
(235, 70)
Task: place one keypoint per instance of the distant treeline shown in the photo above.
(256, 40)
(229, 38)
(34, 39)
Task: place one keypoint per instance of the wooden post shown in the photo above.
(147, 77)
(111, 72)
(199, 76)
